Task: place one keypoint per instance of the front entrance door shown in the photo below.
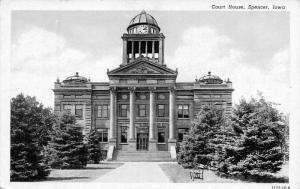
(142, 141)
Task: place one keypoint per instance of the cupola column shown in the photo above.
(132, 50)
(161, 51)
(140, 48)
(125, 58)
(146, 48)
(152, 49)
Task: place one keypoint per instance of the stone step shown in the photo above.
(144, 160)
(143, 156)
(149, 153)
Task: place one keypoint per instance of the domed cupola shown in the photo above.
(143, 40)
(210, 79)
(143, 23)
(75, 79)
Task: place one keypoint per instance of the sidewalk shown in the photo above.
(137, 172)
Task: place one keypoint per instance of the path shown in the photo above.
(135, 172)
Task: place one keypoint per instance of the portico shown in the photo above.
(151, 122)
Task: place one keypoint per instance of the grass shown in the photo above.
(178, 174)
(90, 173)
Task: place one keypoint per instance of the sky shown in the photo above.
(249, 48)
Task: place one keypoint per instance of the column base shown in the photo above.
(112, 143)
(172, 140)
(112, 140)
(132, 145)
(152, 145)
(172, 149)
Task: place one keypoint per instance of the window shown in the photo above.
(67, 96)
(123, 134)
(161, 81)
(103, 134)
(183, 111)
(161, 110)
(181, 134)
(123, 81)
(102, 111)
(68, 107)
(123, 110)
(142, 110)
(161, 135)
(79, 110)
(142, 81)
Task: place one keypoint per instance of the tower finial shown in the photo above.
(143, 11)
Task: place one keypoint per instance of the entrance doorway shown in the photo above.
(142, 141)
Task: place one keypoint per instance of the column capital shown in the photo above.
(112, 89)
(172, 89)
(152, 89)
(131, 89)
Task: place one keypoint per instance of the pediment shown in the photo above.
(142, 67)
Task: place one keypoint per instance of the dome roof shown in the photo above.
(143, 18)
(210, 79)
(76, 79)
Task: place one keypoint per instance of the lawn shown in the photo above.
(90, 173)
(178, 174)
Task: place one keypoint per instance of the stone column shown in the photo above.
(132, 140)
(124, 52)
(132, 50)
(112, 132)
(146, 47)
(153, 49)
(160, 51)
(152, 138)
(172, 128)
(140, 47)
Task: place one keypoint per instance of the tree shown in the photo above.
(94, 147)
(257, 133)
(202, 143)
(67, 149)
(31, 125)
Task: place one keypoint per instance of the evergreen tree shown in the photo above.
(94, 147)
(202, 143)
(256, 138)
(67, 149)
(31, 125)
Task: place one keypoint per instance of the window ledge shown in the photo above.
(123, 143)
(161, 143)
(102, 117)
(183, 118)
(104, 142)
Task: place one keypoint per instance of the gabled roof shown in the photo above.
(142, 67)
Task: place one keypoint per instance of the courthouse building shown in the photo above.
(142, 107)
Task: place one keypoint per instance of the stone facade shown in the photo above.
(142, 107)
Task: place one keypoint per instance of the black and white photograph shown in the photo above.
(102, 93)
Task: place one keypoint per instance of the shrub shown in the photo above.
(31, 125)
(67, 149)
